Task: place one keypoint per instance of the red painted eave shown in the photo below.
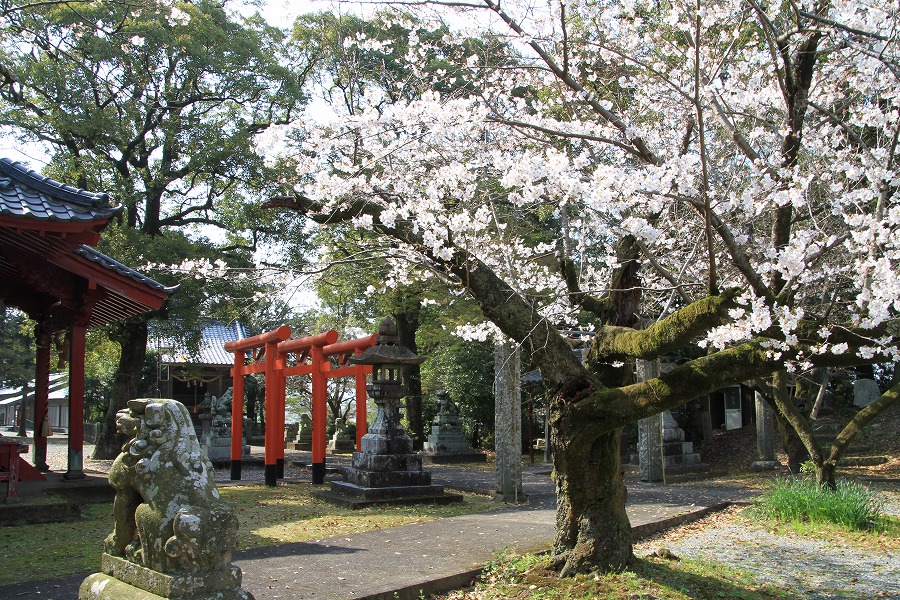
(77, 232)
(153, 299)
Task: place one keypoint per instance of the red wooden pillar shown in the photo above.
(268, 341)
(76, 403)
(41, 400)
(362, 426)
(282, 400)
(319, 414)
(237, 416)
(271, 469)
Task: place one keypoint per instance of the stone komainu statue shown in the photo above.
(168, 514)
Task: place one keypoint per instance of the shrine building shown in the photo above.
(49, 271)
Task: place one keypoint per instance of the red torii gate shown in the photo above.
(312, 354)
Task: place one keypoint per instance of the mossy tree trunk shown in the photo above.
(825, 471)
(592, 528)
(825, 464)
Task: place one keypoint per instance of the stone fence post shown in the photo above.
(508, 421)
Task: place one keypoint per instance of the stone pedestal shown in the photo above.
(386, 470)
(676, 452)
(508, 423)
(120, 579)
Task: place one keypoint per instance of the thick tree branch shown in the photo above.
(617, 407)
(501, 304)
(859, 422)
(597, 306)
(665, 335)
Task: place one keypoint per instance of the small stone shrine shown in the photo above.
(290, 433)
(386, 470)
(303, 441)
(447, 440)
(215, 433)
(173, 535)
(342, 442)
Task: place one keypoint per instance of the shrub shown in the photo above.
(851, 505)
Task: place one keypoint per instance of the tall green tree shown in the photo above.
(16, 348)
(162, 104)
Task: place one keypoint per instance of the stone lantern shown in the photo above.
(386, 470)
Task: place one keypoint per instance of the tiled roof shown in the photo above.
(117, 267)
(212, 342)
(25, 193)
(59, 390)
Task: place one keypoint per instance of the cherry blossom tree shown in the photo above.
(662, 174)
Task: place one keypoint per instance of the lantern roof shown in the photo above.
(387, 349)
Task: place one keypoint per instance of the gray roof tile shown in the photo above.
(212, 345)
(117, 267)
(28, 194)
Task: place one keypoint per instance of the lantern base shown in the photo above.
(353, 496)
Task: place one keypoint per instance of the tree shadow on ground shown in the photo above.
(715, 581)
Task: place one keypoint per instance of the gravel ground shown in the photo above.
(809, 569)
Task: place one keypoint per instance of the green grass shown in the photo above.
(268, 516)
(801, 500)
(529, 577)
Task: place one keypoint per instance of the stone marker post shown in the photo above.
(649, 431)
(765, 436)
(508, 422)
(765, 429)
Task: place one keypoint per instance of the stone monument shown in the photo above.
(765, 436)
(215, 436)
(665, 448)
(173, 535)
(290, 433)
(341, 442)
(649, 448)
(865, 392)
(508, 423)
(386, 470)
(447, 440)
(303, 441)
